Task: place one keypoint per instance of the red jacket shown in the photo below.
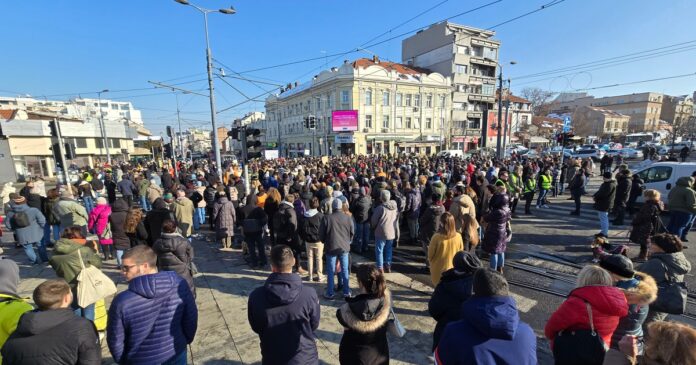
(608, 305)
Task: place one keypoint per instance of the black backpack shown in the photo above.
(20, 220)
(196, 198)
(97, 184)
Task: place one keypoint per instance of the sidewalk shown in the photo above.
(224, 335)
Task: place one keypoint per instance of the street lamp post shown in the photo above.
(103, 127)
(209, 62)
(498, 143)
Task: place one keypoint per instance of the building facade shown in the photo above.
(77, 108)
(677, 110)
(397, 108)
(601, 123)
(643, 109)
(469, 57)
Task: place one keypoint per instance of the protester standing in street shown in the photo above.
(682, 205)
(175, 253)
(12, 306)
(647, 222)
(99, 224)
(337, 232)
(28, 225)
(71, 213)
(310, 232)
(384, 221)
(225, 218)
(604, 202)
(443, 246)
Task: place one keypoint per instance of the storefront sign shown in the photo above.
(344, 120)
(344, 138)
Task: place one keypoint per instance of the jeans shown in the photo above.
(688, 227)
(413, 228)
(119, 255)
(257, 249)
(331, 271)
(497, 260)
(362, 236)
(678, 222)
(145, 204)
(604, 223)
(83, 312)
(383, 253)
(178, 359)
(199, 218)
(542, 196)
(89, 203)
(50, 232)
(31, 254)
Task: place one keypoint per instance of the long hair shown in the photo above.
(371, 279)
(134, 216)
(447, 225)
(274, 195)
(469, 229)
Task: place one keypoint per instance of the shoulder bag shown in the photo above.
(579, 347)
(92, 285)
(394, 326)
(671, 296)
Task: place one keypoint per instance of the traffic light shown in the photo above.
(70, 151)
(53, 127)
(253, 145)
(306, 122)
(169, 132)
(312, 122)
(55, 148)
(168, 150)
(234, 133)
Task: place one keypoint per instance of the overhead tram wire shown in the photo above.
(693, 74)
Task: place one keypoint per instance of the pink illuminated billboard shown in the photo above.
(344, 120)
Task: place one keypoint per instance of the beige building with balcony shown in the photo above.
(468, 56)
(643, 109)
(400, 109)
(602, 123)
(678, 111)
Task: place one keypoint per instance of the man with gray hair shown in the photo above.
(337, 231)
(385, 223)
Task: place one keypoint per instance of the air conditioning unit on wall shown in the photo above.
(365, 130)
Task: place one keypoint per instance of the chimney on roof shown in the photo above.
(334, 69)
(375, 59)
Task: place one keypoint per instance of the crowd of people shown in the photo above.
(312, 213)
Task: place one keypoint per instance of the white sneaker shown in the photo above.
(545, 206)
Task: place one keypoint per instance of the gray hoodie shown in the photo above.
(9, 277)
(664, 265)
(385, 221)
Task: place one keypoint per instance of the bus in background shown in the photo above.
(639, 139)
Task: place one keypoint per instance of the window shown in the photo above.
(368, 121)
(429, 101)
(99, 142)
(487, 89)
(80, 142)
(115, 143)
(399, 96)
(319, 103)
(442, 122)
(331, 96)
(385, 121)
(408, 123)
(385, 98)
(656, 174)
(345, 97)
(428, 123)
(460, 69)
(462, 49)
(474, 123)
(460, 124)
(491, 53)
(408, 99)
(442, 101)
(368, 97)
(416, 123)
(399, 124)
(416, 100)
(114, 106)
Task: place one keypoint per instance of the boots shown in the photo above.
(500, 269)
(642, 255)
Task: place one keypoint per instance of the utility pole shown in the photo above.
(505, 126)
(498, 143)
(103, 127)
(61, 148)
(178, 118)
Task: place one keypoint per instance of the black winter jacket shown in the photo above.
(174, 253)
(309, 226)
(623, 190)
(117, 219)
(154, 219)
(604, 197)
(445, 304)
(364, 320)
(285, 224)
(285, 315)
(139, 237)
(429, 222)
(360, 208)
(50, 337)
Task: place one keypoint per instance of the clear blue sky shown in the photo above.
(66, 48)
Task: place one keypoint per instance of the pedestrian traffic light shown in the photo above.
(306, 122)
(312, 122)
(70, 151)
(168, 150)
(55, 148)
(169, 132)
(53, 127)
(253, 145)
(234, 133)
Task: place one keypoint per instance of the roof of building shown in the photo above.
(512, 98)
(607, 112)
(398, 67)
(7, 113)
(540, 120)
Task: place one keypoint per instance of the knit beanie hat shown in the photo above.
(619, 265)
(465, 262)
(9, 277)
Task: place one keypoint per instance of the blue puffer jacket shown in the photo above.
(32, 233)
(153, 320)
(490, 332)
(285, 314)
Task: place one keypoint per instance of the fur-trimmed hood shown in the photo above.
(643, 293)
(380, 317)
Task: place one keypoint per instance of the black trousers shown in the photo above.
(513, 204)
(528, 197)
(576, 197)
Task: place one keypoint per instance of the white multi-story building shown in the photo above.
(77, 108)
(386, 107)
(469, 57)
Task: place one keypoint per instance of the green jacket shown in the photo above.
(683, 198)
(11, 309)
(545, 182)
(530, 185)
(142, 187)
(70, 213)
(66, 262)
(183, 211)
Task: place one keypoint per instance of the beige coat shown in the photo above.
(153, 192)
(462, 205)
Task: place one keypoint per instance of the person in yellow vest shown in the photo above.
(544, 187)
(11, 305)
(529, 183)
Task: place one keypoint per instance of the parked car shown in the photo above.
(673, 148)
(451, 153)
(595, 153)
(663, 176)
(612, 153)
(631, 153)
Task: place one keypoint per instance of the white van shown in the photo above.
(451, 153)
(663, 176)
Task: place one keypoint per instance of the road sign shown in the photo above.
(566, 124)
